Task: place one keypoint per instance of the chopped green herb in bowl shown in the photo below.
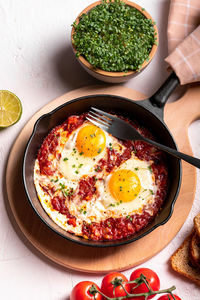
(114, 40)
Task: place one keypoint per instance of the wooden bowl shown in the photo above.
(114, 77)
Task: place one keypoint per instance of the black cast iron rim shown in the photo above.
(83, 241)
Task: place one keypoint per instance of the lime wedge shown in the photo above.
(10, 108)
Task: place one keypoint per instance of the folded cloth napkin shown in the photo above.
(183, 40)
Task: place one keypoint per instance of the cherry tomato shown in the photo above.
(81, 291)
(107, 287)
(169, 297)
(152, 279)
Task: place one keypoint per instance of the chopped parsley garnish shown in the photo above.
(81, 153)
(129, 217)
(113, 205)
(150, 169)
(62, 185)
(151, 191)
(54, 180)
(80, 166)
(66, 193)
(76, 172)
(136, 169)
(110, 144)
(109, 225)
(65, 158)
(114, 36)
(99, 151)
(73, 166)
(97, 169)
(83, 211)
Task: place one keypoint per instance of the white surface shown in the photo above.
(37, 64)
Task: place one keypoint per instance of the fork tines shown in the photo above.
(98, 118)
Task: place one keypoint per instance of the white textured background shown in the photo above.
(37, 64)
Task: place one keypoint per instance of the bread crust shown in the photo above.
(180, 261)
(197, 224)
(195, 250)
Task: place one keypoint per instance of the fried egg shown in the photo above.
(84, 148)
(128, 189)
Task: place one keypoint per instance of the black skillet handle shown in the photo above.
(160, 97)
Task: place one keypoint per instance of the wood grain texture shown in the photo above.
(178, 115)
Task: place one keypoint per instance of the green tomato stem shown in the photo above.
(172, 296)
(124, 289)
(140, 280)
(146, 282)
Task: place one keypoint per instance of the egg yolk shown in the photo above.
(91, 141)
(124, 185)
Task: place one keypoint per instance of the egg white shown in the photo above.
(146, 195)
(73, 165)
(68, 173)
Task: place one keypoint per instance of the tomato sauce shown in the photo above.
(50, 143)
(111, 228)
(87, 188)
(59, 204)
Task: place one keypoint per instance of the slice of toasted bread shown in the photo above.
(197, 224)
(195, 250)
(180, 262)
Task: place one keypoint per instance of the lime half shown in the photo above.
(10, 108)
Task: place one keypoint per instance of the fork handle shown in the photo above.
(190, 159)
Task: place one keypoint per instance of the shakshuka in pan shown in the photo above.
(96, 186)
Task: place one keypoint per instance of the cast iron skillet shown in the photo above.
(148, 113)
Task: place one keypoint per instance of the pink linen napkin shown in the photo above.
(184, 39)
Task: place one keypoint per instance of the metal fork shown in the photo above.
(125, 131)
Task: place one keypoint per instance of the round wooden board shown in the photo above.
(178, 116)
